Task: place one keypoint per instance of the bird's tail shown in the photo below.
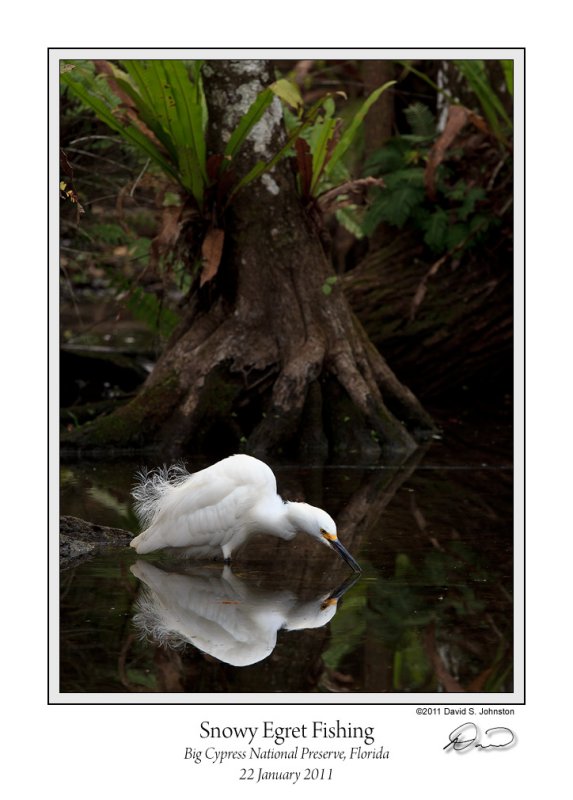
(151, 486)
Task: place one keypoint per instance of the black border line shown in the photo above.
(289, 703)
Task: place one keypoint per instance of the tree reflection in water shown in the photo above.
(432, 611)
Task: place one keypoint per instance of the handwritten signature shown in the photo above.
(465, 736)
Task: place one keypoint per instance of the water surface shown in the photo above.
(431, 612)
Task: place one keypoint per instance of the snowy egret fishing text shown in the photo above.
(279, 734)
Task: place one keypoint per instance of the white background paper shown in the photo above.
(91, 751)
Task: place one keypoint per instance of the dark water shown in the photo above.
(431, 612)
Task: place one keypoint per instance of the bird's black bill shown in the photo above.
(343, 552)
(344, 587)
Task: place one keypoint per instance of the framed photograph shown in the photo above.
(287, 354)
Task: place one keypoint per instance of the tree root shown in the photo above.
(288, 398)
(229, 386)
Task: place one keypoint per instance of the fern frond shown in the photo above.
(437, 230)
(387, 159)
(421, 120)
(395, 207)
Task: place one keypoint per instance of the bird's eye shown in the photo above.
(330, 536)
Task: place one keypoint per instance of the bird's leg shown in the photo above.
(227, 560)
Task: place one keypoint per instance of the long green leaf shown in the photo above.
(146, 113)
(265, 166)
(281, 88)
(289, 92)
(320, 135)
(176, 103)
(350, 132)
(198, 118)
(320, 151)
(128, 130)
(148, 81)
(189, 101)
(137, 72)
(185, 119)
(247, 123)
(476, 76)
(261, 167)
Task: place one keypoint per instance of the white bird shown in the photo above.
(220, 507)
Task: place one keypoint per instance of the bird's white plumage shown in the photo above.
(205, 509)
(220, 507)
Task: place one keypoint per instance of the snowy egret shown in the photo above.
(221, 614)
(220, 507)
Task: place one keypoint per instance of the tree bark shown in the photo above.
(379, 121)
(459, 337)
(264, 357)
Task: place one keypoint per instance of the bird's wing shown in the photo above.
(211, 507)
(207, 513)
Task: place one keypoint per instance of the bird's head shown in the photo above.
(320, 525)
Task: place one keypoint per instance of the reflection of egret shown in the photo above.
(220, 507)
(220, 615)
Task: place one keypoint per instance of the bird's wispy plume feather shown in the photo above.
(152, 485)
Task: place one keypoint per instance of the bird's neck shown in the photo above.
(278, 518)
(295, 517)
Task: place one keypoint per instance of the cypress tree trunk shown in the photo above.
(264, 357)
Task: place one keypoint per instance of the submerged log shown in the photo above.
(79, 539)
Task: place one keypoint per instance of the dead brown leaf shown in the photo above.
(351, 192)
(128, 108)
(457, 118)
(304, 165)
(422, 288)
(211, 253)
(168, 234)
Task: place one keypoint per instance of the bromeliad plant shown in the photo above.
(323, 182)
(320, 149)
(159, 107)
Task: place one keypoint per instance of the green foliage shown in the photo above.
(159, 107)
(148, 308)
(323, 140)
(328, 284)
(475, 73)
(400, 608)
(89, 90)
(107, 232)
(353, 125)
(349, 626)
(421, 120)
(460, 213)
(320, 140)
(156, 106)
